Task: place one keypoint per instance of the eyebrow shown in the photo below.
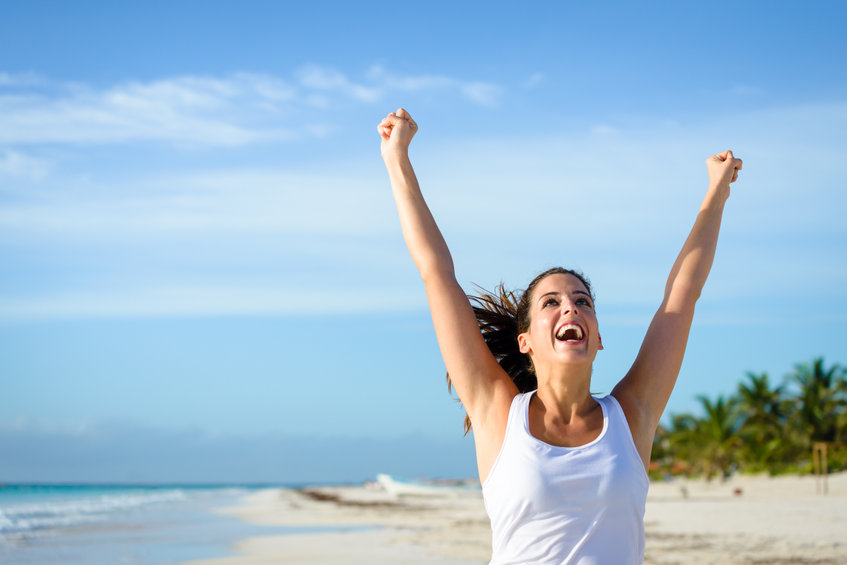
(557, 293)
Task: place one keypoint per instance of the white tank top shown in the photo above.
(567, 505)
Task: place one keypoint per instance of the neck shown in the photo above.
(565, 393)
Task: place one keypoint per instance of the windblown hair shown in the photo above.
(502, 316)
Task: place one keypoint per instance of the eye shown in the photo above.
(550, 302)
(584, 301)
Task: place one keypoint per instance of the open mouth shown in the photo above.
(570, 333)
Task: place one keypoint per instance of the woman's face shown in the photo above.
(563, 326)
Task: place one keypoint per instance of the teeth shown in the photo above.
(569, 332)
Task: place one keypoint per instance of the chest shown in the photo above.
(572, 481)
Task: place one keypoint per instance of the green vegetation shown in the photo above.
(761, 428)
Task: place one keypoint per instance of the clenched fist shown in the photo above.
(396, 130)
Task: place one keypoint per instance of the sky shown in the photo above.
(202, 276)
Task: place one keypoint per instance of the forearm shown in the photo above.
(692, 266)
(647, 386)
(423, 238)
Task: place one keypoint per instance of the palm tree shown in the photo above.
(762, 428)
(711, 443)
(677, 446)
(821, 401)
(764, 412)
(717, 435)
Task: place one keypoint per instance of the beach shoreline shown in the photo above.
(746, 519)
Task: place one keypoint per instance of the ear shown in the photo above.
(600, 339)
(523, 346)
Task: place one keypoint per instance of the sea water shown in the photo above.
(119, 525)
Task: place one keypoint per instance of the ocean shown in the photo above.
(119, 525)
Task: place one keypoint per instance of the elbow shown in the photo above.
(436, 269)
(681, 298)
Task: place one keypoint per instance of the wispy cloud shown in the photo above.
(603, 129)
(238, 298)
(214, 203)
(322, 79)
(231, 110)
(194, 110)
(480, 92)
(19, 165)
(20, 79)
(534, 80)
(746, 90)
(611, 200)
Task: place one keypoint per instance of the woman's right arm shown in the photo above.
(483, 387)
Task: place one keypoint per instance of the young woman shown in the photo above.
(563, 472)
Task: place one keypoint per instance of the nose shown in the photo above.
(568, 306)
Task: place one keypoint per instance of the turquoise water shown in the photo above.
(133, 525)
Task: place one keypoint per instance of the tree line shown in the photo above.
(762, 427)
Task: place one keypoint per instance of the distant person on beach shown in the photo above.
(563, 472)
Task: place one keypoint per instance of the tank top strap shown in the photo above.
(518, 415)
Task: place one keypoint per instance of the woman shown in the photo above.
(563, 472)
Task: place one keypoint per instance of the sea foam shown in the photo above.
(65, 509)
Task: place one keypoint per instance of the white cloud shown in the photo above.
(20, 79)
(224, 111)
(534, 80)
(746, 90)
(410, 83)
(217, 203)
(18, 165)
(479, 92)
(618, 206)
(603, 129)
(208, 299)
(319, 78)
(194, 110)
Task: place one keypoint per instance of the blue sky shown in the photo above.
(199, 255)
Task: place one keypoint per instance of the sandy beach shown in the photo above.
(749, 520)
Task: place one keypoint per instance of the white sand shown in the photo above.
(774, 521)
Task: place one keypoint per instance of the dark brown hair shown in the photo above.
(502, 317)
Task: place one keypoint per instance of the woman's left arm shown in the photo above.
(646, 388)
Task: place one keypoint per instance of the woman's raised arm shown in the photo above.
(479, 381)
(646, 388)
